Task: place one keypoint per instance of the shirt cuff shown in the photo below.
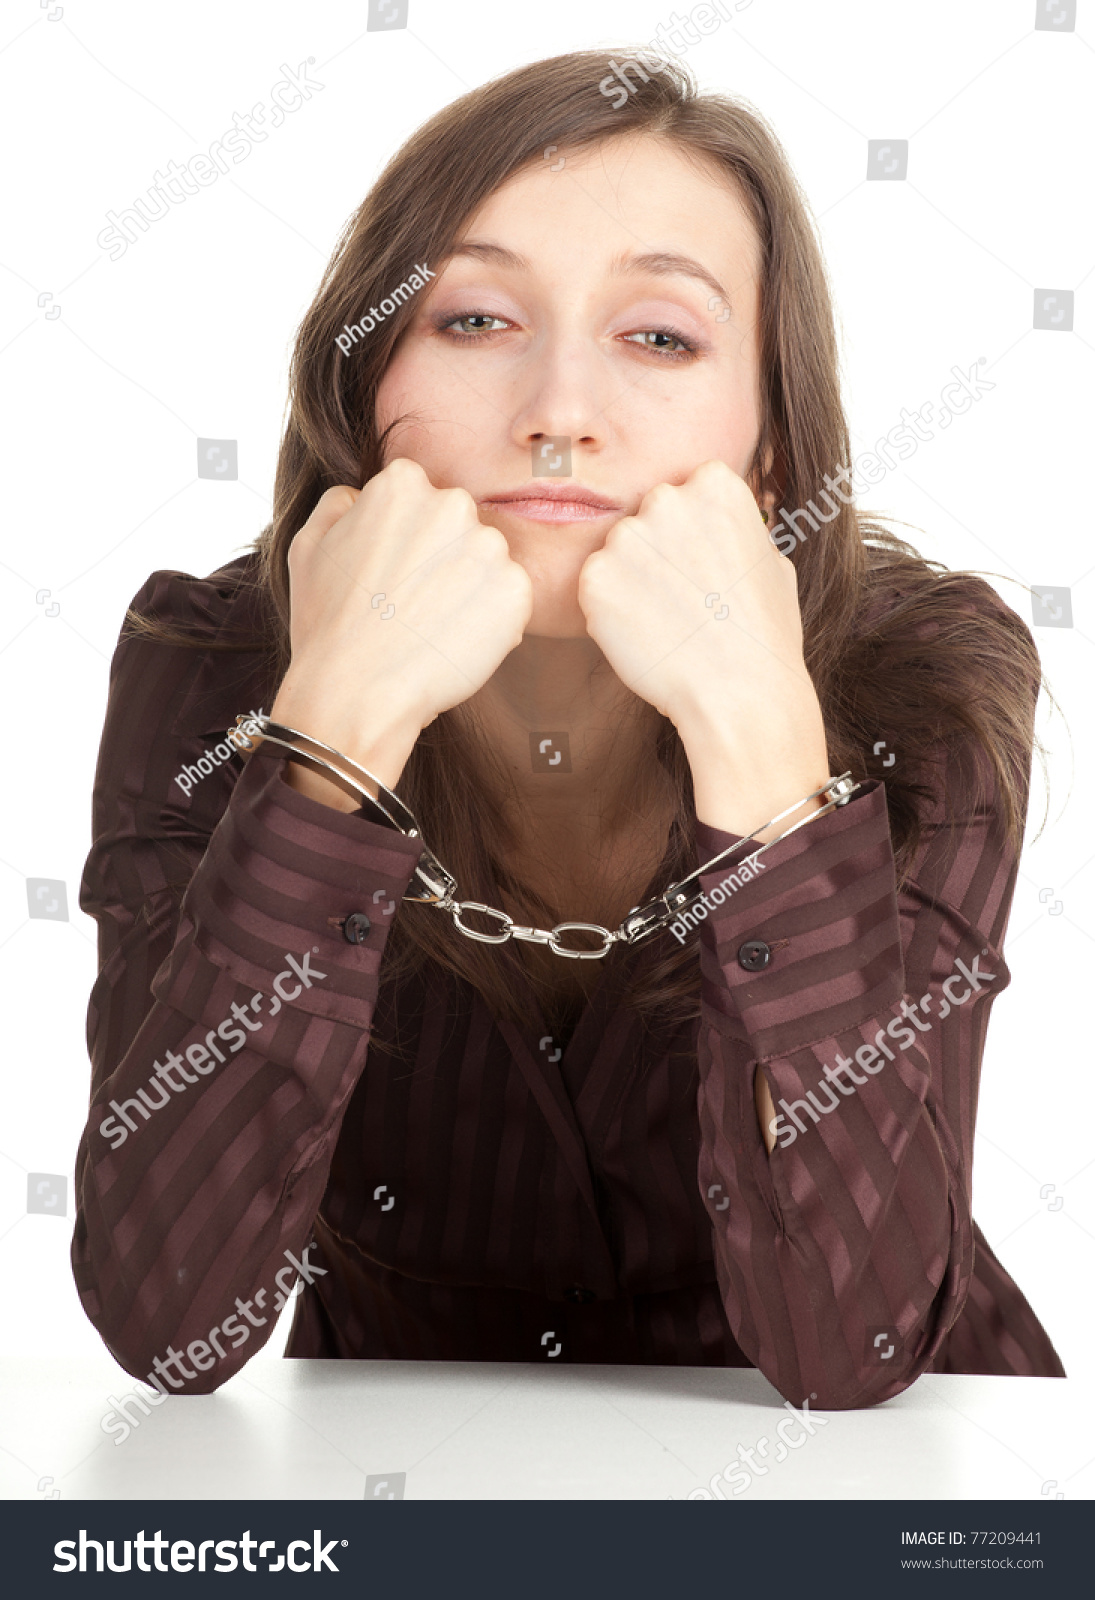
(809, 944)
(281, 874)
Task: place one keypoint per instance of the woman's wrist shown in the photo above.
(380, 743)
(743, 777)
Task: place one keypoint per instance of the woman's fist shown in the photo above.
(402, 604)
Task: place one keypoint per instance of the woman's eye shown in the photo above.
(470, 326)
(661, 340)
(473, 322)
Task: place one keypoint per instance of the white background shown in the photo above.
(188, 335)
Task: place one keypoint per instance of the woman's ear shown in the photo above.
(766, 491)
(765, 494)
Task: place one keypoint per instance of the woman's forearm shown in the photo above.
(212, 1125)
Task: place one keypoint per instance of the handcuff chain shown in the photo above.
(435, 885)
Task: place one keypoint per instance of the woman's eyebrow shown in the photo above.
(669, 264)
(662, 263)
(483, 250)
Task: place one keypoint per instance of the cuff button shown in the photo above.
(754, 955)
(355, 930)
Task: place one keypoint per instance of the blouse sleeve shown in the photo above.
(228, 1025)
(845, 1256)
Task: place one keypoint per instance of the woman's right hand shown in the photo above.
(402, 604)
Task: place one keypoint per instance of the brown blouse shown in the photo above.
(471, 1193)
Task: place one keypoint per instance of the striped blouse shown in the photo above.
(450, 1186)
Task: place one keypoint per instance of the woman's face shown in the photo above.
(611, 304)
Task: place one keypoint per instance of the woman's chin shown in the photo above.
(557, 620)
(556, 613)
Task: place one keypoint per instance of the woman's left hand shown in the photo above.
(697, 612)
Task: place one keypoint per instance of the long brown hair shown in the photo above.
(894, 649)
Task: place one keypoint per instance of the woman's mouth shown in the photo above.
(554, 502)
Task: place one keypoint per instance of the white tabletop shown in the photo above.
(482, 1431)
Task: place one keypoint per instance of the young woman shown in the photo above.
(570, 356)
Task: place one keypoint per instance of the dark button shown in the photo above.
(580, 1296)
(355, 930)
(753, 955)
